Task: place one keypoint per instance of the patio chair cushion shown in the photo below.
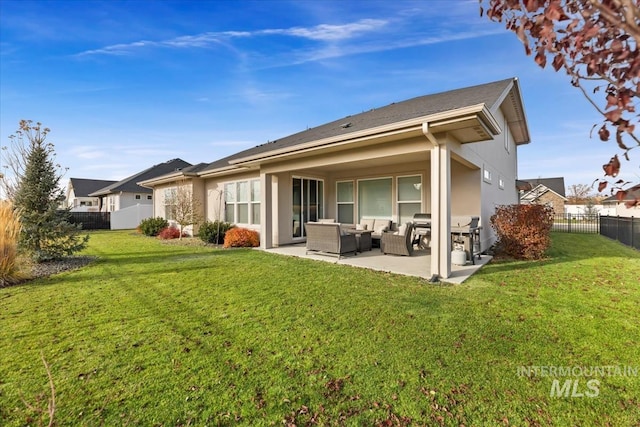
(377, 226)
(367, 223)
(361, 227)
(402, 230)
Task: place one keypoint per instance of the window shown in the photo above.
(507, 146)
(345, 200)
(111, 200)
(149, 197)
(242, 202)
(170, 195)
(138, 197)
(409, 197)
(374, 198)
(501, 183)
(255, 202)
(486, 175)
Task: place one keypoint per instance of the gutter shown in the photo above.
(447, 117)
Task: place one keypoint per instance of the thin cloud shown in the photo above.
(336, 51)
(328, 32)
(322, 32)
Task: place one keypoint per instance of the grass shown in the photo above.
(162, 334)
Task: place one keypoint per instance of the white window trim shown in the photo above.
(399, 202)
(486, 175)
(357, 195)
(252, 204)
(168, 194)
(353, 197)
(501, 182)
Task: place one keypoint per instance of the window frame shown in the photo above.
(359, 205)
(399, 202)
(252, 202)
(352, 202)
(168, 202)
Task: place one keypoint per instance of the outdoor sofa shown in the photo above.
(328, 238)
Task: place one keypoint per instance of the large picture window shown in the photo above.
(345, 200)
(242, 202)
(409, 197)
(375, 198)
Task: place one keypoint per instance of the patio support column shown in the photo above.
(440, 205)
(266, 211)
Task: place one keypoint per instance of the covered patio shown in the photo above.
(417, 265)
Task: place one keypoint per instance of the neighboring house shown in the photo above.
(544, 191)
(620, 207)
(77, 194)
(598, 209)
(125, 193)
(448, 154)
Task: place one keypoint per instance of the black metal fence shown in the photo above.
(92, 220)
(626, 230)
(577, 223)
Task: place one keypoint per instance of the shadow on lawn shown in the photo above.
(123, 264)
(565, 249)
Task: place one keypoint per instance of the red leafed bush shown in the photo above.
(523, 230)
(241, 238)
(169, 233)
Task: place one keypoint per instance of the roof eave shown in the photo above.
(440, 122)
(164, 179)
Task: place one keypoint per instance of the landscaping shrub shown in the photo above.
(241, 238)
(153, 226)
(523, 230)
(214, 232)
(9, 235)
(169, 233)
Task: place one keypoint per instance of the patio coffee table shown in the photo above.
(363, 239)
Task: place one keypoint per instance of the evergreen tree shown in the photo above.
(46, 232)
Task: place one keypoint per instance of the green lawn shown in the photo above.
(159, 334)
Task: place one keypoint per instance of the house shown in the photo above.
(77, 194)
(545, 191)
(447, 154)
(127, 192)
(626, 206)
(128, 202)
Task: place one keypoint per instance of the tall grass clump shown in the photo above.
(9, 235)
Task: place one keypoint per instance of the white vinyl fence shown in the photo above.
(130, 217)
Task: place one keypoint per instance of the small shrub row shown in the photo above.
(241, 238)
(152, 226)
(169, 233)
(523, 230)
(214, 232)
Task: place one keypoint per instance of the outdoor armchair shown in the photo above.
(399, 242)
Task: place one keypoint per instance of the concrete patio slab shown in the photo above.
(418, 265)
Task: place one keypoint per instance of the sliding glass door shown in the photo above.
(308, 203)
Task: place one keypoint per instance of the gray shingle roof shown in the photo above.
(421, 106)
(83, 187)
(129, 185)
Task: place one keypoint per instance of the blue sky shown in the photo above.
(124, 85)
